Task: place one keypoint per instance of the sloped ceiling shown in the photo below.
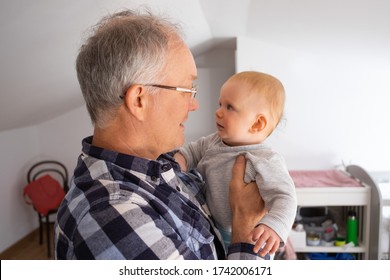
(40, 39)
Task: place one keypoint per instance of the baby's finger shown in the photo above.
(258, 245)
(257, 232)
(274, 248)
(268, 247)
(261, 243)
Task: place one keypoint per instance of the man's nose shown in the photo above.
(194, 104)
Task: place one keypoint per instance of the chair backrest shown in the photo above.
(47, 167)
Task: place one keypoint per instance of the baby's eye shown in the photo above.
(229, 107)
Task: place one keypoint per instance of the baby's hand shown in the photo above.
(264, 235)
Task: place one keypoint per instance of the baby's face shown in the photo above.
(237, 113)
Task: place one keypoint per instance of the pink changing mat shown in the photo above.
(322, 178)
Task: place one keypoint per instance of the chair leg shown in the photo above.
(40, 229)
(48, 236)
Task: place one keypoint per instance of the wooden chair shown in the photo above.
(56, 170)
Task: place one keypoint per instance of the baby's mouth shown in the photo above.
(219, 126)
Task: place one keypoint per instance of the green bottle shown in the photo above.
(352, 228)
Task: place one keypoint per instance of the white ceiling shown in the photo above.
(40, 39)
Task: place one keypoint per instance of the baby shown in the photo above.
(250, 107)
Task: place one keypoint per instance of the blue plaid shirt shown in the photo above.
(124, 207)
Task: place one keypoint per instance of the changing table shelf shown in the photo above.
(356, 197)
(333, 196)
(330, 249)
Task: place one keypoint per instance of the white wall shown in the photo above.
(17, 148)
(58, 139)
(337, 106)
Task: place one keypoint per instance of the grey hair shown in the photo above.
(125, 48)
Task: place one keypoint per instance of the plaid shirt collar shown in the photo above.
(151, 171)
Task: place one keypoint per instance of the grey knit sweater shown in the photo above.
(214, 160)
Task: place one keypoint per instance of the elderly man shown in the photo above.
(128, 198)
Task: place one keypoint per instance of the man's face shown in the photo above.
(171, 108)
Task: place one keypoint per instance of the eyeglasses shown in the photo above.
(192, 90)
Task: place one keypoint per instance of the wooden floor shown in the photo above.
(29, 248)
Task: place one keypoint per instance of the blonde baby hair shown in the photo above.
(266, 86)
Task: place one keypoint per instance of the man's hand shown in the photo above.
(246, 204)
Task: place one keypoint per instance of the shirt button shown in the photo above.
(178, 189)
(154, 178)
(165, 167)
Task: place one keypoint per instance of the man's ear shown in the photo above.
(259, 124)
(135, 101)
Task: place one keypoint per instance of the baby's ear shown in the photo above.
(259, 125)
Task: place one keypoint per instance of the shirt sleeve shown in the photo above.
(278, 191)
(244, 251)
(194, 151)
